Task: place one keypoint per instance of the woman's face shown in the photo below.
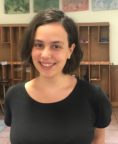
(51, 49)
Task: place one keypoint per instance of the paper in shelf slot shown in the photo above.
(95, 79)
(4, 63)
(83, 41)
(104, 40)
(28, 69)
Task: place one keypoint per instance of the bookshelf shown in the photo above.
(95, 67)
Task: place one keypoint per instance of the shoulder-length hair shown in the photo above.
(50, 16)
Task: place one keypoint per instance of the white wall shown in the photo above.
(110, 16)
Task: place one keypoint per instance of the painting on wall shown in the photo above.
(45, 4)
(75, 5)
(104, 4)
(16, 6)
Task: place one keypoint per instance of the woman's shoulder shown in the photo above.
(16, 87)
(87, 86)
(92, 91)
(14, 90)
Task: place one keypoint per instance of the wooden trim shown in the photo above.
(114, 104)
(94, 24)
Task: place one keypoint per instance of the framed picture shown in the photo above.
(16, 6)
(45, 4)
(104, 4)
(74, 5)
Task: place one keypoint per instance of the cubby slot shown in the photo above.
(5, 52)
(21, 33)
(5, 70)
(84, 41)
(98, 51)
(15, 35)
(0, 35)
(27, 73)
(103, 34)
(104, 83)
(16, 53)
(83, 34)
(17, 72)
(84, 72)
(5, 34)
(95, 73)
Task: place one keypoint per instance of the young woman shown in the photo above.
(55, 107)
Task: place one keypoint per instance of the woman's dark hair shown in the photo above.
(50, 16)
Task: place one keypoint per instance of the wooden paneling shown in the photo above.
(114, 84)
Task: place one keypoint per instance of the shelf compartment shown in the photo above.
(84, 41)
(15, 35)
(83, 34)
(5, 34)
(0, 35)
(5, 71)
(5, 52)
(16, 51)
(17, 70)
(104, 82)
(98, 51)
(84, 72)
(95, 73)
(103, 35)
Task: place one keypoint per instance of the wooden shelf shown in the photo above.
(10, 37)
(95, 67)
(96, 63)
(95, 79)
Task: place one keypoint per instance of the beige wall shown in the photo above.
(110, 16)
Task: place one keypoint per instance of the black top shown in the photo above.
(69, 121)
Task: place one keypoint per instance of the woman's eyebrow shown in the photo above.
(53, 42)
(57, 42)
(37, 40)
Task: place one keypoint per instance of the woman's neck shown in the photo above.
(54, 82)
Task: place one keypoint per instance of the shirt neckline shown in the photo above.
(66, 99)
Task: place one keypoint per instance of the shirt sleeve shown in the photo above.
(102, 108)
(7, 110)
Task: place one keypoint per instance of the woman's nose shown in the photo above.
(46, 52)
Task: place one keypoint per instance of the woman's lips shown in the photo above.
(47, 65)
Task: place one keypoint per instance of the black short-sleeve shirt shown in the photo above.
(69, 121)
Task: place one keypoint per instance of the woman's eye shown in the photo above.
(56, 46)
(38, 45)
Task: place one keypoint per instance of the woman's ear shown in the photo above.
(71, 50)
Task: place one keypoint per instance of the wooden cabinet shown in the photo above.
(11, 68)
(94, 41)
(10, 38)
(114, 85)
(95, 67)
